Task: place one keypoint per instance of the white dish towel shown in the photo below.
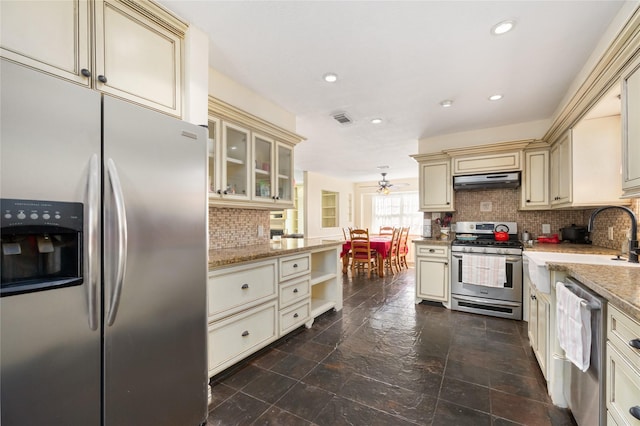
(573, 320)
(486, 270)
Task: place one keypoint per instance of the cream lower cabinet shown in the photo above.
(242, 304)
(134, 50)
(432, 272)
(623, 368)
(294, 290)
(539, 321)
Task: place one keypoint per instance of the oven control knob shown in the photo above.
(21, 215)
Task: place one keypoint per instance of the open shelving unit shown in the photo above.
(326, 284)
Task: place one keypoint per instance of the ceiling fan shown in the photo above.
(384, 186)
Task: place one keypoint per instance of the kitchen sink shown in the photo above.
(539, 274)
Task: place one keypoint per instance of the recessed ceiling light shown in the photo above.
(382, 167)
(330, 77)
(495, 97)
(503, 27)
(376, 120)
(446, 103)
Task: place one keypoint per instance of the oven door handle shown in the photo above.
(508, 259)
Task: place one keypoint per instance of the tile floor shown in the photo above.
(383, 360)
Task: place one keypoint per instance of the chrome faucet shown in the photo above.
(633, 243)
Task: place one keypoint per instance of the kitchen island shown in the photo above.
(259, 293)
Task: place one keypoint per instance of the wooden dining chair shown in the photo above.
(391, 259)
(386, 230)
(361, 253)
(403, 248)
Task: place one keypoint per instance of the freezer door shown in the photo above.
(49, 350)
(155, 268)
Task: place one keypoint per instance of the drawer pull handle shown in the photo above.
(245, 333)
(295, 315)
(295, 290)
(635, 343)
(295, 265)
(245, 286)
(432, 251)
(635, 411)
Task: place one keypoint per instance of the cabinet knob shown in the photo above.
(275, 197)
(102, 79)
(295, 265)
(295, 290)
(635, 343)
(448, 203)
(296, 315)
(635, 411)
(245, 286)
(528, 201)
(533, 297)
(245, 333)
(85, 72)
(432, 251)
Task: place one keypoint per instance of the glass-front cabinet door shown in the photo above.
(263, 168)
(284, 177)
(213, 149)
(235, 164)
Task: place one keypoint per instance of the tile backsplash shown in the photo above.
(229, 228)
(504, 205)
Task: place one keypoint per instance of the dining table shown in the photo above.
(380, 243)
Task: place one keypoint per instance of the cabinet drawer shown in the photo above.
(238, 336)
(623, 387)
(241, 287)
(620, 331)
(294, 266)
(294, 316)
(294, 291)
(440, 251)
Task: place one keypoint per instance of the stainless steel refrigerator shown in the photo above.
(104, 263)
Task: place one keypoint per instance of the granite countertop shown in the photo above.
(224, 257)
(434, 241)
(620, 285)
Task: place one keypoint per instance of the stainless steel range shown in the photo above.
(486, 274)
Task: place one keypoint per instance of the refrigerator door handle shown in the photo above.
(92, 237)
(121, 218)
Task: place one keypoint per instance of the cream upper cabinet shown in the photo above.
(250, 160)
(535, 180)
(631, 132)
(560, 174)
(436, 185)
(487, 163)
(585, 165)
(136, 52)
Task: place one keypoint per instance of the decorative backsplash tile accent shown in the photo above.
(229, 228)
(471, 206)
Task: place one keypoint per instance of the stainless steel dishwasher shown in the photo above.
(584, 391)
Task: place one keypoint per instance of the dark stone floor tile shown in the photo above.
(379, 395)
(268, 359)
(448, 414)
(312, 351)
(277, 417)
(328, 377)
(466, 394)
(294, 366)
(340, 411)
(503, 325)
(242, 376)
(511, 339)
(514, 384)
(304, 400)
(220, 393)
(521, 410)
(240, 409)
(497, 421)
(269, 386)
(467, 372)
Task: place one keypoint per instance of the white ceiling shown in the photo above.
(397, 60)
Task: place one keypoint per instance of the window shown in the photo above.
(397, 210)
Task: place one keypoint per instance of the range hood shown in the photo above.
(487, 181)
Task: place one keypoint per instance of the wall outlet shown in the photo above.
(260, 231)
(610, 233)
(546, 228)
